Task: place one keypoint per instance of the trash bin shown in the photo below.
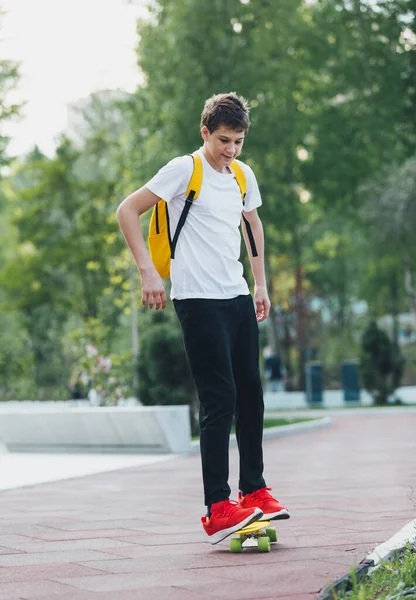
(350, 381)
(314, 383)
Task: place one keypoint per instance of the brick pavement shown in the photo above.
(135, 533)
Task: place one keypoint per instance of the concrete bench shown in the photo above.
(141, 429)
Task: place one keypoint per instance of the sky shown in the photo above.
(67, 49)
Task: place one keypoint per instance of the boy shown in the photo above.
(214, 307)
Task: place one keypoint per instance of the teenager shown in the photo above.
(218, 318)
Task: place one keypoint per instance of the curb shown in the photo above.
(280, 431)
(382, 553)
(386, 550)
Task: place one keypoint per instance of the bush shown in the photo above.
(163, 372)
(94, 367)
(16, 354)
(26, 389)
(381, 364)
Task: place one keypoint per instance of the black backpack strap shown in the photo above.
(181, 223)
(250, 237)
(192, 191)
(240, 178)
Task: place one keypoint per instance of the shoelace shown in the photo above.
(227, 508)
(262, 494)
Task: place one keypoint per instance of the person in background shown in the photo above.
(273, 370)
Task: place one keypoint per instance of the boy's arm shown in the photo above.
(128, 216)
(261, 297)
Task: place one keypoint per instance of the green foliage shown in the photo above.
(381, 364)
(389, 213)
(163, 373)
(9, 78)
(332, 91)
(66, 258)
(16, 356)
(322, 80)
(63, 255)
(392, 580)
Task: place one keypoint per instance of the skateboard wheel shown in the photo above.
(236, 545)
(271, 534)
(264, 544)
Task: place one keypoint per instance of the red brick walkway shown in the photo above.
(134, 534)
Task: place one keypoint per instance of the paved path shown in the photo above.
(18, 470)
(134, 534)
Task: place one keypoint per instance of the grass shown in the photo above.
(278, 422)
(393, 580)
(345, 407)
(285, 421)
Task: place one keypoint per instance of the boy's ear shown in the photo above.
(205, 133)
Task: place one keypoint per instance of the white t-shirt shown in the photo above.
(206, 263)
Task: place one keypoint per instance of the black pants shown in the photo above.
(221, 339)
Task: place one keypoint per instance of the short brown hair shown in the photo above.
(226, 109)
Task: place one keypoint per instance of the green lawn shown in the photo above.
(275, 423)
(290, 421)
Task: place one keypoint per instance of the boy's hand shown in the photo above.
(261, 298)
(153, 291)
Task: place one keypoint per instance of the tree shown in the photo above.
(364, 119)
(257, 49)
(389, 212)
(69, 258)
(322, 79)
(9, 78)
(16, 360)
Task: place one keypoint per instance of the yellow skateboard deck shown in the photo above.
(256, 526)
(257, 534)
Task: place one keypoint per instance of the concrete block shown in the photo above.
(142, 429)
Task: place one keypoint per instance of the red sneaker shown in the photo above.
(269, 506)
(226, 517)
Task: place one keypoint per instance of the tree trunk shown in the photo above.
(287, 358)
(134, 326)
(410, 287)
(272, 326)
(300, 314)
(394, 308)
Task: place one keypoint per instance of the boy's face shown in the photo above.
(222, 145)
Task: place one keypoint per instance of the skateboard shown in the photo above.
(257, 534)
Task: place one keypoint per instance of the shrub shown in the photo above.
(381, 364)
(163, 373)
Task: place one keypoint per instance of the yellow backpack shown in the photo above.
(161, 245)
